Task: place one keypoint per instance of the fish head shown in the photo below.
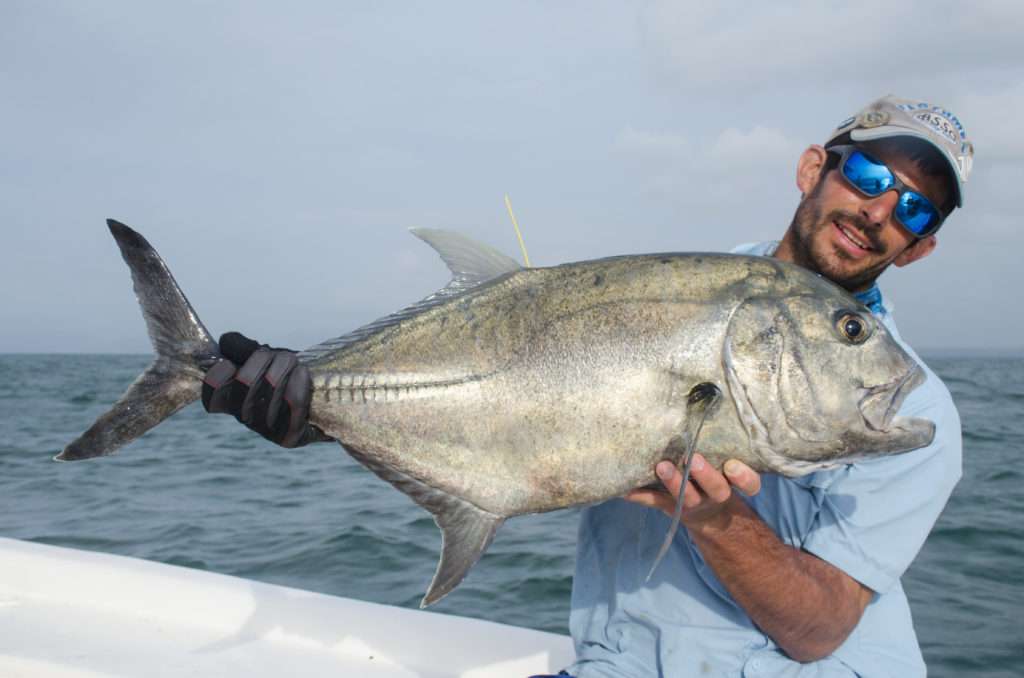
(817, 381)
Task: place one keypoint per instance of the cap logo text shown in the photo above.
(938, 123)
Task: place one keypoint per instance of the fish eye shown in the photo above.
(853, 327)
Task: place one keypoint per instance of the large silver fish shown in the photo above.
(515, 391)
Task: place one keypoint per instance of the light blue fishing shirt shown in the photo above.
(869, 519)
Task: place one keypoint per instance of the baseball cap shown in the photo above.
(891, 116)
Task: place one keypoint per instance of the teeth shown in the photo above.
(857, 241)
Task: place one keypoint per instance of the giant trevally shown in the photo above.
(515, 391)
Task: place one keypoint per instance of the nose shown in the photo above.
(877, 210)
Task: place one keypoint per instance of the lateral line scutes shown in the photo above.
(368, 387)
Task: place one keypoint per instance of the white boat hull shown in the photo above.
(66, 613)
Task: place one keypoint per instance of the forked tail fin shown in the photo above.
(184, 351)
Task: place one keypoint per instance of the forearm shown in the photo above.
(806, 605)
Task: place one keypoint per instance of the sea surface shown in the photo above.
(202, 492)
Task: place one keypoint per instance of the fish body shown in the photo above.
(548, 388)
(517, 391)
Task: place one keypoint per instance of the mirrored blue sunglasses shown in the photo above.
(914, 212)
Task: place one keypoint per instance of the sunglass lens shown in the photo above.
(870, 177)
(916, 212)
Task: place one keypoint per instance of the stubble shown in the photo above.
(812, 249)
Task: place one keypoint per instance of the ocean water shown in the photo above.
(201, 492)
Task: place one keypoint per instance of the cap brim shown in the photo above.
(889, 131)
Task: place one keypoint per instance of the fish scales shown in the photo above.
(548, 347)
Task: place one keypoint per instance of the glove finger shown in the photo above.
(217, 386)
(258, 391)
(237, 347)
(278, 376)
(299, 395)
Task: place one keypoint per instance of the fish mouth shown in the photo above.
(880, 403)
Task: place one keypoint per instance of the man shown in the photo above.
(803, 577)
(794, 577)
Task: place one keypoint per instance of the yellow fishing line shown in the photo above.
(515, 224)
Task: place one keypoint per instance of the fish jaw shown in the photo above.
(880, 403)
(883, 430)
(907, 433)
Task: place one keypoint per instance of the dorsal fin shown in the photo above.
(471, 263)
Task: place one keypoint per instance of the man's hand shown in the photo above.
(270, 393)
(708, 493)
(806, 605)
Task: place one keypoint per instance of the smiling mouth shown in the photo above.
(855, 239)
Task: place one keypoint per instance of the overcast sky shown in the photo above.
(276, 153)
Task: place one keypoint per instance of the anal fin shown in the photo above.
(466, 530)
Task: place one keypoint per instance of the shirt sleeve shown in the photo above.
(875, 517)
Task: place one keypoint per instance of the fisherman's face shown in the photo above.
(846, 236)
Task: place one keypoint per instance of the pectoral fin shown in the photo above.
(466, 530)
(699, 404)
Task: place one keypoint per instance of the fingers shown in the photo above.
(237, 347)
(271, 392)
(277, 377)
(716, 485)
(705, 481)
(672, 479)
(219, 394)
(258, 390)
(711, 482)
(742, 477)
(708, 491)
(655, 499)
(669, 476)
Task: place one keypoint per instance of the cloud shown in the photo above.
(804, 43)
(735, 150)
(651, 145)
(993, 123)
(672, 163)
(303, 143)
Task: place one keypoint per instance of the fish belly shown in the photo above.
(509, 446)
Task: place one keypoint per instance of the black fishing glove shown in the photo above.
(270, 393)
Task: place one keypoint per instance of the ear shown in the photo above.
(808, 169)
(918, 250)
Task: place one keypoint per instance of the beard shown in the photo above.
(813, 251)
